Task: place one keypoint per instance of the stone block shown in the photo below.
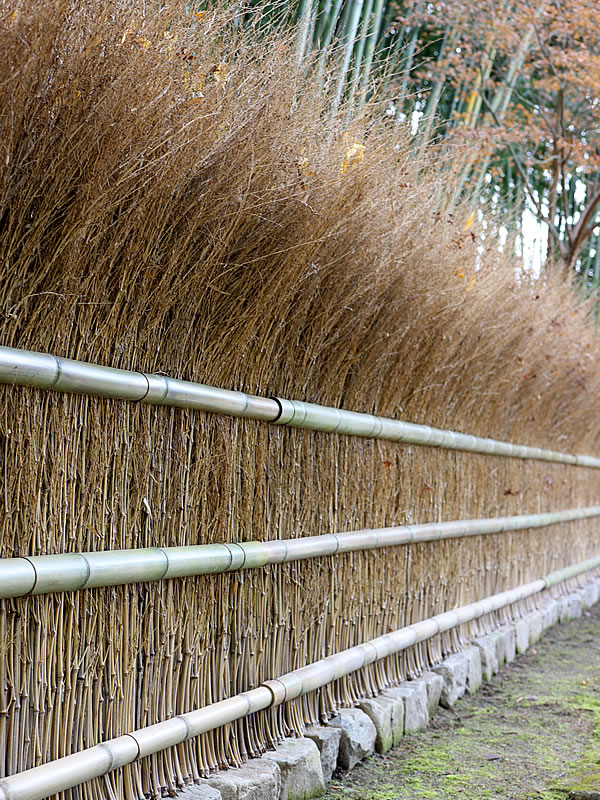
(299, 763)
(357, 740)
(510, 643)
(414, 697)
(588, 595)
(199, 791)
(499, 639)
(487, 651)
(564, 609)
(535, 622)
(258, 779)
(328, 741)
(454, 672)
(549, 614)
(474, 674)
(575, 605)
(522, 635)
(387, 714)
(592, 592)
(434, 684)
(555, 610)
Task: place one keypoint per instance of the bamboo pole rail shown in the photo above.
(45, 371)
(74, 571)
(64, 773)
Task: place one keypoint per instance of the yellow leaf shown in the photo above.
(304, 165)
(220, 73)
(470, 221)
(355, 152)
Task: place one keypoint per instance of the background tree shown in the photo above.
(512, 89)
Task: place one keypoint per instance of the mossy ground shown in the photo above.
(533, 733)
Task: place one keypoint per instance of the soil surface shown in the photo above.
(533, 732)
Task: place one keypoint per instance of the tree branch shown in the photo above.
(584, 227)
(522, 172)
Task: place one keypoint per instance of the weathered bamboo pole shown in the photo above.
(44, 371)
(70, 572)
(64, 773)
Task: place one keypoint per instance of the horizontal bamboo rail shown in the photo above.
(69, 572)
(64, 773)
(45, 371)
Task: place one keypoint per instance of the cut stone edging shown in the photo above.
(301, 768)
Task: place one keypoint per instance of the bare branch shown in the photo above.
(584, 227)
(531, 194)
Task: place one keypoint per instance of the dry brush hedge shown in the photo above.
(174, 197)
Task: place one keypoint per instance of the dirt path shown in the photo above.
(534, 732)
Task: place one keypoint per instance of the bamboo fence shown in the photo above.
(230, 739)
(40, 782)
(223, 227)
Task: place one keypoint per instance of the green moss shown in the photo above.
(434, 760)
(584, 774)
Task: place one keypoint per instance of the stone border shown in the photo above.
(300, 769)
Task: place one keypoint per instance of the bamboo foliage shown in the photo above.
(220, 228)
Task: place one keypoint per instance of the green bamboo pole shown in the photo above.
(71, 572)
(326, 37)
(383, 47)
(45, 371)
(500, 102)
(597, 263)
(349, 37)
(375, 30)
(407, 65)
(426, 121)
(359, 50)
(305, 22)
(321, 21)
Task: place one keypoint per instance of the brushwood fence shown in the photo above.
(202, 653)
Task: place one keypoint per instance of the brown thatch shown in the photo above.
(242, 238)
